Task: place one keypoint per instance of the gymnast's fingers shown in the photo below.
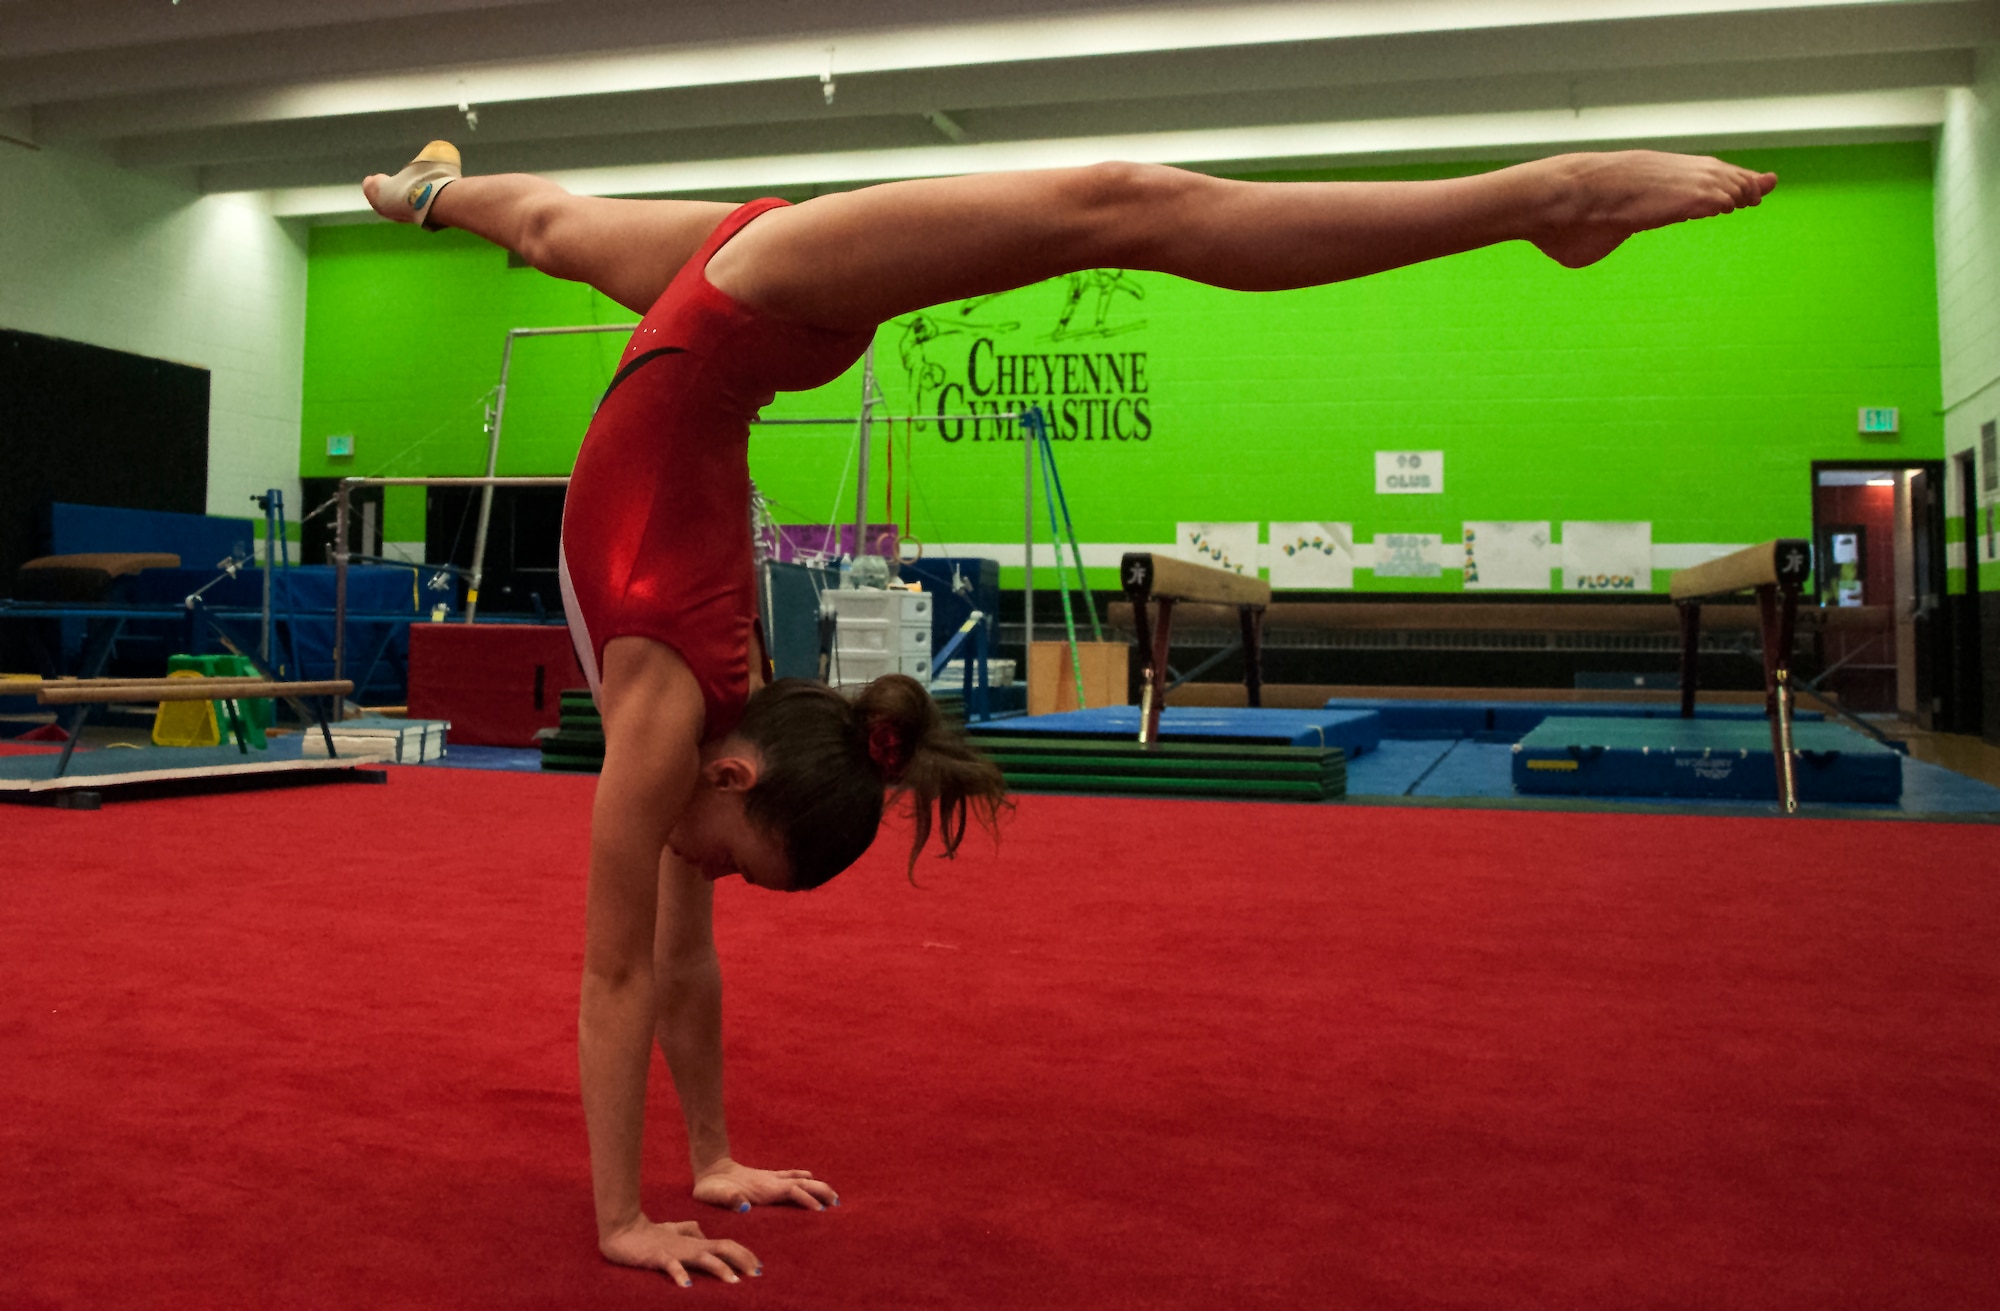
(793, 1174)
(710, 1263)
(738, 1256)
(688, 1229)
(823, 1191)
(676, 1272)
(799, 1195)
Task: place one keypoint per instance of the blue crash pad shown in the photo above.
(1508, 720)
(1580, 756)
(1351, 731)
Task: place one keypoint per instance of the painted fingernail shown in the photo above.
(758, 1271)
(742, 1206)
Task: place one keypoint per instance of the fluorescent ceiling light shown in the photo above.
(1050, 37)
(1527, 131)
(1881, 482)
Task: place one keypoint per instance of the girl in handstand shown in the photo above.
(710, 772)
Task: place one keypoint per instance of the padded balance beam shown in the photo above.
(80, 692)
(1775, 571)
(1164, 581)
(84, 693)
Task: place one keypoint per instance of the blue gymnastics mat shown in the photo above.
(1596, 757)
(1506, 721)
(1352, 731)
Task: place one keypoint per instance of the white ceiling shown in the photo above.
(299, 98)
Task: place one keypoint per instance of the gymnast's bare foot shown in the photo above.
(1606, 198)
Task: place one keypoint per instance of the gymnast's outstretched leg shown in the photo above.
(858, 258)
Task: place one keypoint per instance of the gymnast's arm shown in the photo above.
(653, 718)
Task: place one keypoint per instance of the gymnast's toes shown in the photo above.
(408, 196)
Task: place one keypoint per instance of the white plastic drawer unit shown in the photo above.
(876, 635)
(893, 606)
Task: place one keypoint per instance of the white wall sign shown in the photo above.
(1409, 472)
(1231, 546)
(1511, 555)
(1312, 554)
(1607, 557)
(1408, 555)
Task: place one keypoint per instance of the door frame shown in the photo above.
(1935, 666)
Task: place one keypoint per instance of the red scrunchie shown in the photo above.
(889, 752)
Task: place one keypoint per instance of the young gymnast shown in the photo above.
(707, 772)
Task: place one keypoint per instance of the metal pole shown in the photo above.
(339, 580)
(1028, 557)
(861, 473)
(486, 496)
(270, 554)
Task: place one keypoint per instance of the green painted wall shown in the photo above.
(1688, 380)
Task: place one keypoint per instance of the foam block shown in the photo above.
(1579, 756)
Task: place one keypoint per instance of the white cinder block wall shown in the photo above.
(1968, 264)
(146, 264)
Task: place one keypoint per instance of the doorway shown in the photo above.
(1962, 608)
(1879, 571)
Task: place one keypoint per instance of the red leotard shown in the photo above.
(656, 538)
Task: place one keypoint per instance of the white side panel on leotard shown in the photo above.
(579, 635)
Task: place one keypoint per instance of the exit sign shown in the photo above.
(1879, 418)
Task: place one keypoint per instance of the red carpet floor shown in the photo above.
(315, 1048)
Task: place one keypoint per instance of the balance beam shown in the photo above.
(81, 692)
(1164, 581)
(86, 692)
(1775, 571)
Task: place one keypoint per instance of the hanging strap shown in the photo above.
(1075, 548)
(1040, 435)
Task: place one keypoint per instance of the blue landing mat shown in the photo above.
(1352, 731)
(519, 760)
(1466, 770)
(1722, 759)
(1506, 721)
(1394, 767)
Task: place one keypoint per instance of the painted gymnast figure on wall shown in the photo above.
(708, 771)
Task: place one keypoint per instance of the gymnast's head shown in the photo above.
(796, 793)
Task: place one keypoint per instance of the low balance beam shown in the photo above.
(1775, 571)
(86, 692)
(1162, 581)
(183, 689)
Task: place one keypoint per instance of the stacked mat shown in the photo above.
(1203, 751)
(1041, 763)
(577, 745)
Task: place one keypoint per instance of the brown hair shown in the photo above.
(828, 761)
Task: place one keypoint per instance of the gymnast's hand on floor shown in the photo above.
(738, 1187)
(677, 1250)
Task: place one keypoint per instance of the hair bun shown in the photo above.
(888, 749)
(897, 720)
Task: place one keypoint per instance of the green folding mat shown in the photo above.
(577, 746)
(1042, 764)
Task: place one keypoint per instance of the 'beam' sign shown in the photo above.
(1409, 472)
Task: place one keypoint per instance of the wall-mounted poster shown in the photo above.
(1317, 555)
(1231, 546)
(1507, 555)
(1408, 555)
(1607, 557)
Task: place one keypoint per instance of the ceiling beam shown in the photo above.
(1880, 113)
(232, 80)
